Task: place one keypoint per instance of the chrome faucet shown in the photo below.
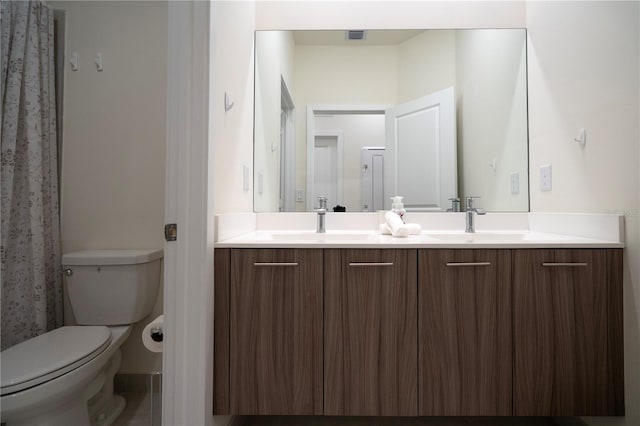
(471, 226)
(321, 210)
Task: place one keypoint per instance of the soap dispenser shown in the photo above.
(398, 207)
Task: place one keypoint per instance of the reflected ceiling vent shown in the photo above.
(356, 34)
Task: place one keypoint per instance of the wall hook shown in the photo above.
(73, 60)
(98, 61)
(582, 138)
(227, 102)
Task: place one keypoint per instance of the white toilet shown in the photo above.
(65, 376)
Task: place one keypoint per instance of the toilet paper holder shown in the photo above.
(156, 334)
(153, 335)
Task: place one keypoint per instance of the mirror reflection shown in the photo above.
(431, 115)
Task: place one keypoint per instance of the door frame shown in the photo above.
(187, 361)
(288, 171)
(317, 109)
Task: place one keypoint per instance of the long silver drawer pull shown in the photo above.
(275, 264)
(370, 263)
(565, 264)
(469, 264)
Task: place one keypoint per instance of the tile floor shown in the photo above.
(143, 409)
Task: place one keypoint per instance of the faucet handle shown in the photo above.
(455, 204)
(322, 203)
(470, 199)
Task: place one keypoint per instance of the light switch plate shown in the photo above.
(545, 177)
(515, 183)
(245, 178)
(299, 195)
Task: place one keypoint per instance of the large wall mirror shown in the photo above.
(360, 116)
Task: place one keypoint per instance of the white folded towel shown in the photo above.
(396, 225)
(398, 228)
(414, 229)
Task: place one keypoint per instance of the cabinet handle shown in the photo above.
(275, 264)
(370, 263)
(469, 264)
(565, 264)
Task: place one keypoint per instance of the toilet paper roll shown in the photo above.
(153, 335)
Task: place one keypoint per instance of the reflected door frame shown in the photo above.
(287, 202)
(312, 111)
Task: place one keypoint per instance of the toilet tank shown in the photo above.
(112, 287)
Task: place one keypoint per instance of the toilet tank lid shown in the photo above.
(110, 257)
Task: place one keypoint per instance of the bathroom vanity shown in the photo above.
(501, 323)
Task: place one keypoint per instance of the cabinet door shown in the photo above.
(567, 333)
(276, 331)
(370, 333)
(222, 277)
(465, 352)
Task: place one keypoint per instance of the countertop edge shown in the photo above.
(422, 245)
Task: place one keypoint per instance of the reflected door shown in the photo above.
(420, 161)
(327, 170)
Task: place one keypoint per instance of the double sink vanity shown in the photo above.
(521, 318)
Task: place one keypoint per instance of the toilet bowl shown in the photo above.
(65, 376)
(44, 388)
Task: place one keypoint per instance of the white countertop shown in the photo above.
(443, 230)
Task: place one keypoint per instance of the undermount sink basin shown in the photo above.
(479, 236)
(313, 236)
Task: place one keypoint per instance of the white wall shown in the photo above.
(491, 93)
(113, 153)
(390, 14)
(583, 72)
(426, 64)
(233, 26)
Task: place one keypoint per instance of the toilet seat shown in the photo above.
(50, 355)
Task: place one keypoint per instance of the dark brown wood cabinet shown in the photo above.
(429, 332)
(221, 289)
(370, 332)
(567, 314)
(464, 311)
(276, 331)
